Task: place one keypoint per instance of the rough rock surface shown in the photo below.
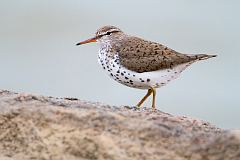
(45, 128)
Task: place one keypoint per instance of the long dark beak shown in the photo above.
(94, 39)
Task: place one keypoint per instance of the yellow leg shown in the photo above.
(145, 97)
(154, 98)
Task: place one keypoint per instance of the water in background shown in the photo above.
(38, 53)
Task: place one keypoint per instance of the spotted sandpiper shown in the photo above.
(139, 63)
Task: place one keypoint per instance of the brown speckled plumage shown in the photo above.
(144, 56)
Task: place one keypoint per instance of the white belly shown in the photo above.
(146, 80)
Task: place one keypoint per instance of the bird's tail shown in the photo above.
(202, 56)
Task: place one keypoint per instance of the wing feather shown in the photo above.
(144, 56)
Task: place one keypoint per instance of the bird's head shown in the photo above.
(103, 35)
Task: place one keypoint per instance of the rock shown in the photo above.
(38, 127)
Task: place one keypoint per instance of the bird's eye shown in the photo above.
(108, 33)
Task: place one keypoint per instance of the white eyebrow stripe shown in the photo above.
(111, 30)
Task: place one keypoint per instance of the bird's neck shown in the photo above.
(107, 50)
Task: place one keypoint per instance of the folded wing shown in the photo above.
(146, 56)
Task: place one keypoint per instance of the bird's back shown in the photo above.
(140, 55)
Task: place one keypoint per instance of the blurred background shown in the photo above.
(38, 53)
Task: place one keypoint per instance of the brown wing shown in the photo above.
(144, 56)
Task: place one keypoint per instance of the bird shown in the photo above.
(139, 63)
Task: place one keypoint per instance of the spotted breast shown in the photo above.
(109, 59)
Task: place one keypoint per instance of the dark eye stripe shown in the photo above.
(107, 33)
